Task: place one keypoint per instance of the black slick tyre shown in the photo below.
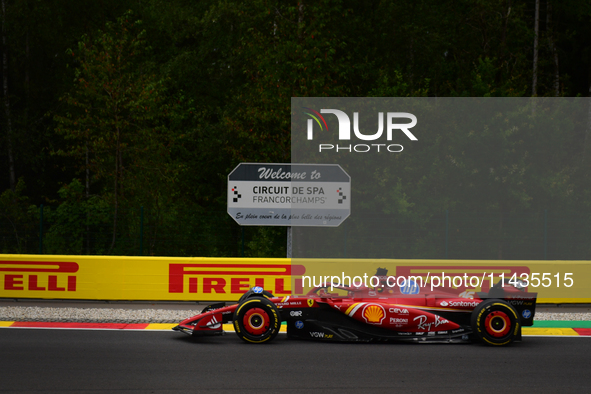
(257, 320)
(495, 322)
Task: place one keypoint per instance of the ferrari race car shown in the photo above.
(364, 314)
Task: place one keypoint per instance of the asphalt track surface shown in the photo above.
(100, 361)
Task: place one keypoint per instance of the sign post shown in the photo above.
(289, 243)
(264, 194)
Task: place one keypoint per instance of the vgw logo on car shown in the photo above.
(345, 131)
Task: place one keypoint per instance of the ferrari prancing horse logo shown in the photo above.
(310, 302)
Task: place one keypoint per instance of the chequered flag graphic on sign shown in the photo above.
(236, 195)
(341, 196)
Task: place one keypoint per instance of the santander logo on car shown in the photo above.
(465, 304)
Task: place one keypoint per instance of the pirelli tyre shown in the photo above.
(257, 320)
(495, 322)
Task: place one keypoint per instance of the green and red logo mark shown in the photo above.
(314, 116)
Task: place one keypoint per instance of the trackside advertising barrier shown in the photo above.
(141, 278)
(556, 282)
(225, 279)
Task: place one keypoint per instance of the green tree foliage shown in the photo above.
(37, 34)
(17, 221)
(285, 50)
(117, 118)
(156, 113)
(75, 221)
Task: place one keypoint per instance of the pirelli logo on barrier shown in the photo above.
(226, 279)
(229, 278)
(21, 276)
(485, 276)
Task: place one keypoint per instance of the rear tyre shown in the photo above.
(256, 320)
(495, 322)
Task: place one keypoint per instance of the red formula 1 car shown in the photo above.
(368, 315)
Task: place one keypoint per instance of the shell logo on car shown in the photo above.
(374, 314)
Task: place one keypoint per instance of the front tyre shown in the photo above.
(256, 320)
(495, 322)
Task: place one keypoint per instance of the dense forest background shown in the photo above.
(121, 119)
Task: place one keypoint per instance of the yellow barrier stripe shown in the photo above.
(6, 323)
(160, 326)
(549, 331)
(564, 300)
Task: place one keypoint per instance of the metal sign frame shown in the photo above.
(289, 194)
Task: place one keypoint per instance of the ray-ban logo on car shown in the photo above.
(392, 121)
